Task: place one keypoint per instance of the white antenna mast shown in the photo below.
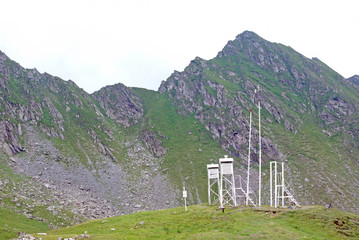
(249, 154)
(260, 154)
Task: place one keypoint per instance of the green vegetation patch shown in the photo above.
(12, 223)
(189, 145)
(206, 222)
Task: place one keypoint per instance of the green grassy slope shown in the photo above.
(189, 145)
(12, 223)
(204, 222)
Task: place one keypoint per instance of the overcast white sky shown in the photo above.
(141, 42)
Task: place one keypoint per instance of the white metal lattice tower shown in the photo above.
(277, 183)
(273, 178)
(227, 193)
(213, 179)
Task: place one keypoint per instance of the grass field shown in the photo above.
(205, 222)
(11, 224)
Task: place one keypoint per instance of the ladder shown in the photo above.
(290, 196)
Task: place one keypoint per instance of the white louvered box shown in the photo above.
(226, 165)
(213, 171)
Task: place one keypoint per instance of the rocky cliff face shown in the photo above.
(212, 103)
(153, 143)
(120, 104)
(8, 138)
(249, 69)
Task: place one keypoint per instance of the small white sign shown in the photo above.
(185, 197)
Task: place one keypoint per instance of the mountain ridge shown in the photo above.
(121, 150)
(295, 92)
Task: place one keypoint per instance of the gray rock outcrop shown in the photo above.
(120, 104)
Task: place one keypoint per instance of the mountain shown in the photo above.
(310, 114)
(68, 156)
(354, 79)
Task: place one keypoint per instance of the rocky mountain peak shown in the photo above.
(120, 104)
(354, 79)
(242, 42)
(294, 91)
(2, 56)
(251, 48)
(248, 35)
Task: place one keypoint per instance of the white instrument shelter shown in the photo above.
(213, 171)
(226, 165)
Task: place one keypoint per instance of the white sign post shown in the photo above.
(185, 197)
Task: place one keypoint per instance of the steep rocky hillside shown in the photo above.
(68, 156)
(310, 113)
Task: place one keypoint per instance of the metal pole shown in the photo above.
(185, 204)
(249, 154)
(226, 191)
(260, 157)
(282, 184)
(234, 192)
(275, 186)
(221, 190)
(209, 190)
(271, 184)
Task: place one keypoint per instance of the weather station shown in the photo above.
(233, 188)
